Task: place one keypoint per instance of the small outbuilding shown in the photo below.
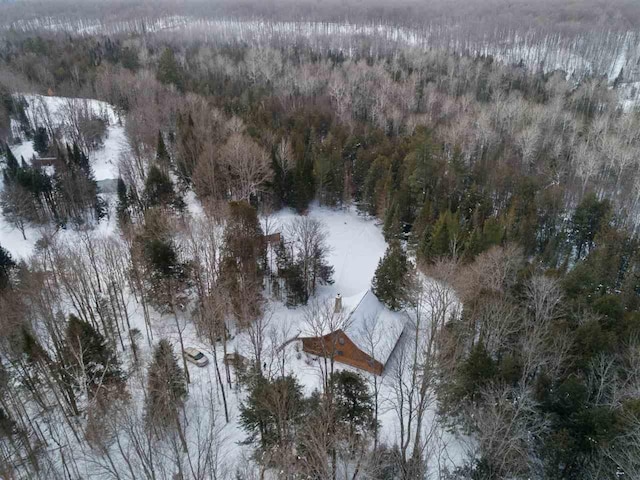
(370, 333)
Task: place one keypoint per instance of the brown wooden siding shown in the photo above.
(339, 345)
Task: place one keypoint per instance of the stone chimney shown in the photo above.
(338, 307)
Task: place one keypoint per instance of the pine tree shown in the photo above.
(19, 105)
(282, 183)
(163, 259)
(75, 189)
(11, 162)
(272, 409)
(291, 272)
(91, 359)
(353, 401)
(391, 228)
(159, 191)
(391, 279)
(188, 147)
(440, 238)
(303, 178)
(619, 79)
(162, 154)
(7, 267)
(446, 232)
(322, 271)
(423, 250)
(589, 217)
(169, 72)
(166, 387)
(41, 141)
(122, 209)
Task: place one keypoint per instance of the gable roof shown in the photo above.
(374, 328)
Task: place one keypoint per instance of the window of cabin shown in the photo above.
(341, 340)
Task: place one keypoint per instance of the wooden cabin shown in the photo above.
(351, 345)
(44, 162)
(272, 239)
(344, 351)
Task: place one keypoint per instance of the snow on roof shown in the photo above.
(374, 328)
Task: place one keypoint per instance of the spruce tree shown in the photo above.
(163, 258)
(11, 162)
(41, 141)
(162, 154)
(589, 217)
(353, 401)
(188, 147)
(304, 179)
(619, 79)
(282, 183)
(391, 280)
(440, 237)
(90, 357)
(445, 232)
(391, 228)
(122, 209)
(159, 191)
(169, 71)
(272, 409)
(7, 267)
(291, 272)
(166, 387)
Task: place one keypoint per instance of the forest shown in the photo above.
(508, 200)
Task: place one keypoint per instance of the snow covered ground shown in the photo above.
(56, 111)
(356, 245)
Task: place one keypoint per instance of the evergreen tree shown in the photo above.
(19, 109)
(166, 387)
(90, 357)
(244, 258)
(188, 147)
(169, 71)
(446, 233)
(283, 180)
(75, 188)
(354, 403)
(11, 162)
(322, 271)
(7, 267)
(122, 209)
(475, 372)
(272, 410)
(391, 280)
(391, 227)
(291, 272)
(589, 217)
(163, 258)
(162, 154)
(619, 79)
(303, 178)
(41, 141)
(423, 249)
(159, 191)
(129, 58)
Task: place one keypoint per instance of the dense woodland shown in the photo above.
(515, 191)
